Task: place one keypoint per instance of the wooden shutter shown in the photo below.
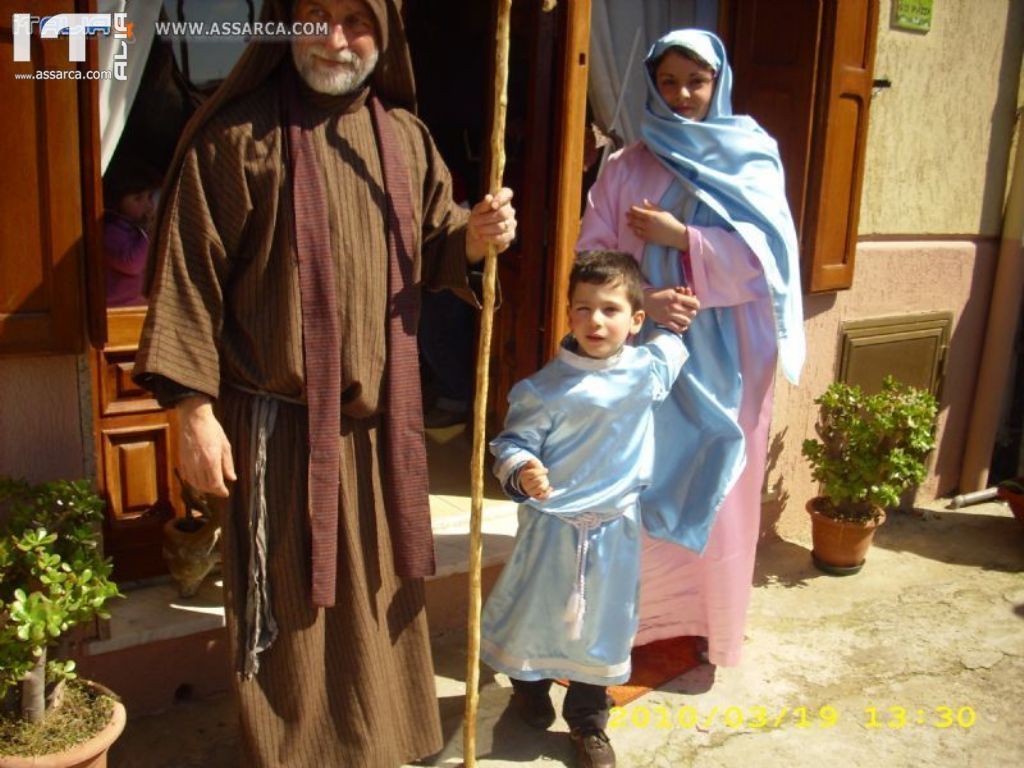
(829, 234)
(41, 246)
(803, 69)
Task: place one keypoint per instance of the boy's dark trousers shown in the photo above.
(585, 707)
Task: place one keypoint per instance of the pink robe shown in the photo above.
(683, 593)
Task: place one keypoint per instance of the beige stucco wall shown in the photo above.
(939, 138)
(41, 432)
(892, 279)
(936, 166)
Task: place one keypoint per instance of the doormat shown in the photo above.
(655, 664)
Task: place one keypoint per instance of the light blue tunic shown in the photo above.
(565, 606)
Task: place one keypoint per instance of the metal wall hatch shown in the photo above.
(911, 348)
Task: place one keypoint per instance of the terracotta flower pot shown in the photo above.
(190, 551)
(1008, 492)
(840, 547)
(88, 754)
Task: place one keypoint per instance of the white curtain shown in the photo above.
(621, 32)
(117, 96)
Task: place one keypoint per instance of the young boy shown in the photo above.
(577, 450)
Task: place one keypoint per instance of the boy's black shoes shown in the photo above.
(536, 711)
(593, 749)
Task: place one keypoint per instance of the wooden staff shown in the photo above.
(480, 403)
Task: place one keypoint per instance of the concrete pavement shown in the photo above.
(916, 661)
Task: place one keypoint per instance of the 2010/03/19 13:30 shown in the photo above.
(755, 717)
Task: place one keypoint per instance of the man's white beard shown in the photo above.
(334, 81)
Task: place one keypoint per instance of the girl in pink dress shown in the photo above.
(700, 202)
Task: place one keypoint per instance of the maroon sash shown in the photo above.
(406, 484)
(405, 479)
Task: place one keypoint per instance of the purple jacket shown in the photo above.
(125, 245)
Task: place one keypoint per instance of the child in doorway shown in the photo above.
(577, 450)
(129, 197)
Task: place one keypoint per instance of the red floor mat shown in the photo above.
(655, 664)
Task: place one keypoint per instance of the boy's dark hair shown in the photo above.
(604, 267)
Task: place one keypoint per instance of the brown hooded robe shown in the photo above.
(352, 684)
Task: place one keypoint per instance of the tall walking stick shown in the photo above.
(480, 405)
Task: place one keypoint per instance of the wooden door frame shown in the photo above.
(92, 196)
(572, 117)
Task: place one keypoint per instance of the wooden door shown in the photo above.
(803, 69)
(775, 60)
(135, 450)
(41, 247)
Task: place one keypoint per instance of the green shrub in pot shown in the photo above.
(870, 448)
(53, 578)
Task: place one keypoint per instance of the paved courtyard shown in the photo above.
(916, 661)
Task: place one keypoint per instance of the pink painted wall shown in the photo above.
(892, 278)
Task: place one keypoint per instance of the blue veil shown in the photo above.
(727, 173)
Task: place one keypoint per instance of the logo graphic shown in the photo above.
(77, 26)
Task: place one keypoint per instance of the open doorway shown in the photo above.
(452, 97)
(451, 44)
(455, 99)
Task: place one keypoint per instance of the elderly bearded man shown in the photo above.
(304, 211)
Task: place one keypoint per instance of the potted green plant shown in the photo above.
(870, 449)
(53, 578)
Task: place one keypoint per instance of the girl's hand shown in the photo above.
(533, 480)
(656, 225)
(674, 308)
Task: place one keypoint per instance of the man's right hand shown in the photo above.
(204, 453)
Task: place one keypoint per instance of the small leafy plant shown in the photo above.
(871, 447)
(52, 578)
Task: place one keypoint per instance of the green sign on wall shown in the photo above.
(912, 14)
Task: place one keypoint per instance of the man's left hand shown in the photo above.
(492, 221)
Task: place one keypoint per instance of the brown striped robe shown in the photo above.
(350, 685)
